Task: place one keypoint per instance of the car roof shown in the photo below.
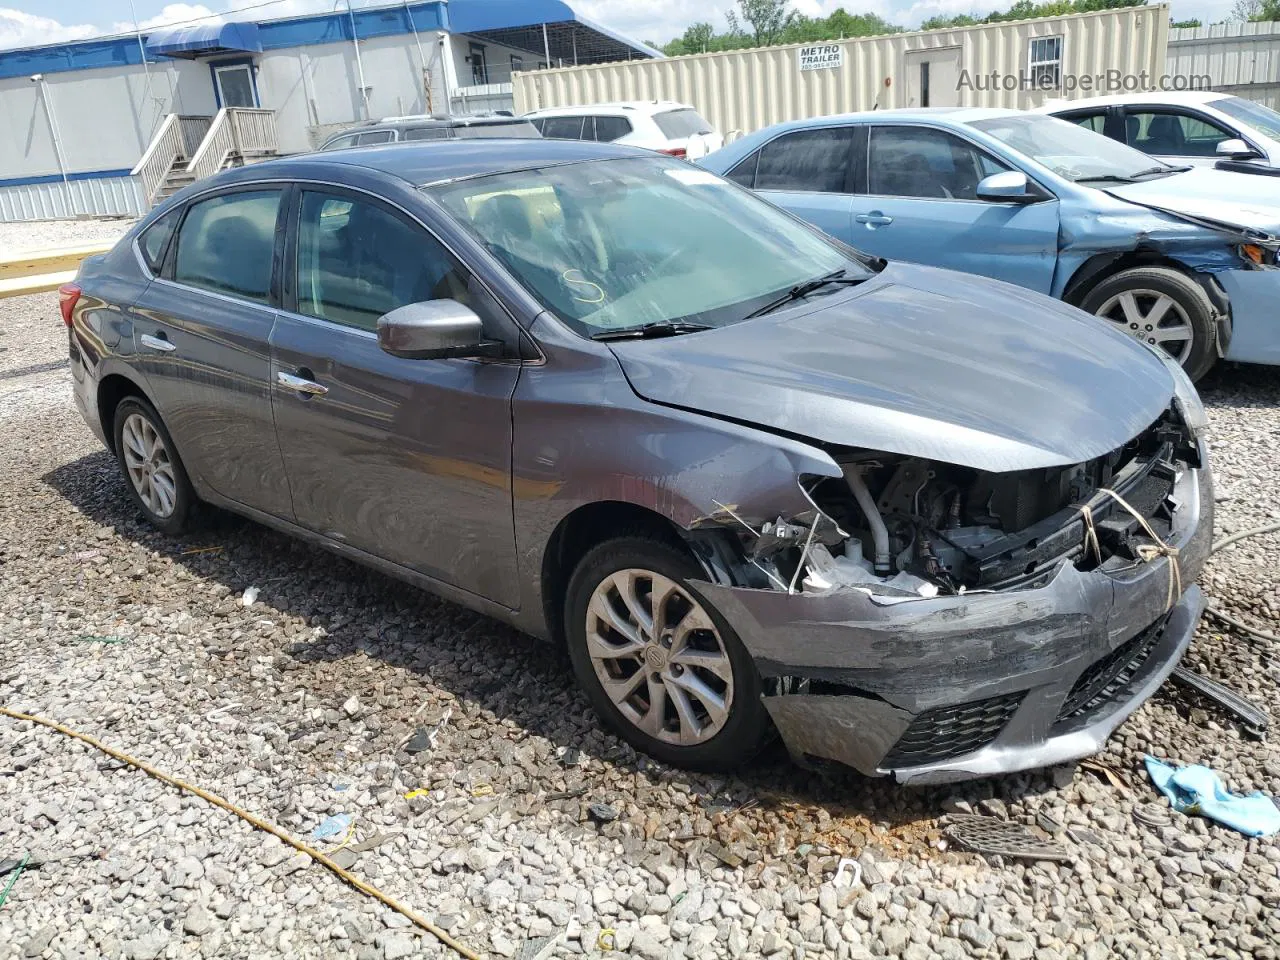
(646, 107)
(432, 161)
(955, 115)
(1172, 98)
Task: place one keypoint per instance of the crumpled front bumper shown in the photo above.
(956, 687)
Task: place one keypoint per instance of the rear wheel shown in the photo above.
(151, 466)
(1163, 307)
(660, 666)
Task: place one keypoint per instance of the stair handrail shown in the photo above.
(218, 143)
(165, 148)
(255, 131)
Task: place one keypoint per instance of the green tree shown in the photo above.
(1268, 10)
(1246, 9)
(767, 19)
(697, 38)
(1182, 24)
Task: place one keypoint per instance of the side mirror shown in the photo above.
(1237, 149)
(433, 330)
(1011, 186)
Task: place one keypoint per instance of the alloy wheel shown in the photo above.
(659, 657)
(150, 468)
(1152, 317)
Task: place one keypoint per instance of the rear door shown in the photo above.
(201, 334)
(810, 173)
(921, 205)
(409, 460)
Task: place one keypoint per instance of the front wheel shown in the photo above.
(1163, 307)
(662, 668)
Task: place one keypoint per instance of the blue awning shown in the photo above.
(202, 39)
(521, 23)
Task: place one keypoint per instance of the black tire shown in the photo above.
(183, 496)
(746, 725)
(1183, 290)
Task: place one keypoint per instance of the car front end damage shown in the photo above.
(935, 622)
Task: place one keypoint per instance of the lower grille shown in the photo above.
(1108, 679)
(950, 732)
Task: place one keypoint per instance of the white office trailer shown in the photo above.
(109, 125)
(1242, 59)
(1014, 64)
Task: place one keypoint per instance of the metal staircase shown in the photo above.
(187, 148)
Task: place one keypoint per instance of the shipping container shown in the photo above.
(1016, 64)
(1238, 58)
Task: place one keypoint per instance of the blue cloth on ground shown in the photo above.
(1197, 789)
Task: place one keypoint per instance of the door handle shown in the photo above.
(302, 385)
(876, 219)
(160, 343)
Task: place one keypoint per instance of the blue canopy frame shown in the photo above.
(203, 39)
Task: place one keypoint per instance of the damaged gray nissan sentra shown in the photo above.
(918, 522)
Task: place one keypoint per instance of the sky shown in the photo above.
(27, 22)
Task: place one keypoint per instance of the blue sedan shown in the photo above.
(1184, 260)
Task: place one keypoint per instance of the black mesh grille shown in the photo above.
(1108, 679)
(950, 732)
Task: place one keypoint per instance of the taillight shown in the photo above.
(674, 151)
(68, 294)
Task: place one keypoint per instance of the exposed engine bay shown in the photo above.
(910, 527)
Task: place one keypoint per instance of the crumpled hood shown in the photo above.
(923, 362)
(1235, 200)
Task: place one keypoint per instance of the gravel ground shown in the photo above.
(300, 706)
(40, 234)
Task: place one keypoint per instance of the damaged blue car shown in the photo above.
(1181, 259)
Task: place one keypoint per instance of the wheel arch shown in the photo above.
(1101, 266)
(112, 390)
(588, 526)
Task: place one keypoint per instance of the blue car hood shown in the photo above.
(1238, 202)
(922, 362)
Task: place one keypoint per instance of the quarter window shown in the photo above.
(357, 261)
(745, 172)
(1173, 134)
(156, 238)
(340, 143)
(814, 161)
(1044, 62)
(375, 136)
(609, 129)
(225, 244)
(928, 163)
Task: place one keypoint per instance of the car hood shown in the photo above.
(1236, 201)
(922, 362)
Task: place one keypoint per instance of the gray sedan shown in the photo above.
(917, 522)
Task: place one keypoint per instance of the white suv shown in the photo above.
(662, 125)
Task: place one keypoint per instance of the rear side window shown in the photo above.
(609, 129)
(357, 261)
(375, 136)
(813, 161)
(1090, 121)
(225, 244)
(155, 240)
(678, 124)
(427, 133)
(745, 172)
(340, 143)
(562, 128)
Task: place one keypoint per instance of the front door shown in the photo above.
(409, 460)
(201, 333)
(921, 205)
(810, 173)
(235, 85)
(933, 77)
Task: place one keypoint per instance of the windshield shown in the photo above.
(678, 124)
(1070, 151)
(613, 244)
(1263, 119)
(518, 128)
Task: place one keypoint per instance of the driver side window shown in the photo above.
(357, 261)
(926, 163)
